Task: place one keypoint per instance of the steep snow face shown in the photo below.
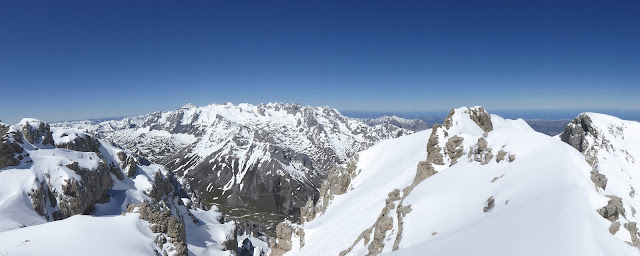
(611, 146)
(409, 124)
(51, 175)
(271, 156)
(489, 186)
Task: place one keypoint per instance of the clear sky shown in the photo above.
(66, 60)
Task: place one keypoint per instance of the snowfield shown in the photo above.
(541, 203)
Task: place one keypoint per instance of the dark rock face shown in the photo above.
(82, 144)
(80, 196)
(246, 249)
(37, 132)
(8, 148)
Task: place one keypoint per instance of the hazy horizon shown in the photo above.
(88, 59)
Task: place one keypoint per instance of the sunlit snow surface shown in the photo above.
(545, 202)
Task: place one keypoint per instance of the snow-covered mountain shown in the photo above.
(269, 157)
(49, 177)
(415, 125)
(479, 185)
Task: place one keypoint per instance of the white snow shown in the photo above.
(545, 202)
(82, 235)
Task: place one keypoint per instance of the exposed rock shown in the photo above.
(501, 156)
(246, 249)
(337, 183)
(423, 171)
(80, 196)
(489, 205)
(401, 212)
(615, 226)
(599, 180)
(168, 228)
(81, 143)
(497, 178)
(482, 118)
(433, 150)
(283, 241)
(481, 152)
(575, 132)
(9, 148)
(454, 148)
(512, 158)
(308, 212)
(379, 228)
(40, 134)
(478, 114)
(633, 231)
(613, 209)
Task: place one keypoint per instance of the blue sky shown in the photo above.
(66, 60)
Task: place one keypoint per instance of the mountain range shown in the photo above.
(186, 182)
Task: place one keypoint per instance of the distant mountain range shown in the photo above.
(271, 157)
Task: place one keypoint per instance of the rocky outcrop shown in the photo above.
(79, 196)
(169, 230)
(633, 232)
(285, 233)
(81, 143)
(613, 209)
(37, 132)
(337, 183)
(577, 134)
(9, 148)
(477, 114)
(491, 202)
(481, 152)
(433, 148)
(454, 148)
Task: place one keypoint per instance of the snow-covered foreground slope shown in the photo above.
(48, 177)
(269, 156)
(477, 185)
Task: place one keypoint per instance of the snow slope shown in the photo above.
(489, 186)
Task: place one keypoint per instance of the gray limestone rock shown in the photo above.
(613, 209)
(615, 226)
(454, 148)
(633, 231)
(283, 241)
(482, 118)
(168, 229)
(433, 150)
(599, 180)
(489, 205)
